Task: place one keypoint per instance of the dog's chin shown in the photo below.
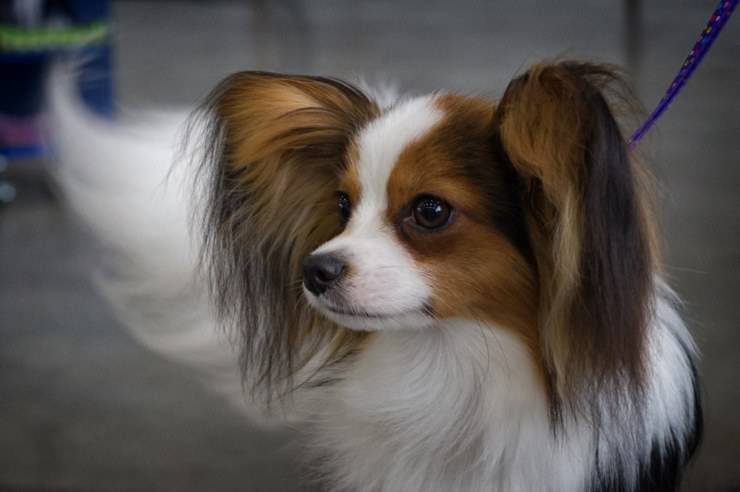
(360, 319)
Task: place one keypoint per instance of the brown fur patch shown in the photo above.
(476, 270)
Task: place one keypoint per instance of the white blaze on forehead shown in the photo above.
(381, 143)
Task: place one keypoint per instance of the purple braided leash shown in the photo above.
(715, 24)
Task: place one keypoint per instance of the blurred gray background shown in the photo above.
(84, 408)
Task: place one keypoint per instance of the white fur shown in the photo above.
(383, 279)
(453, 407)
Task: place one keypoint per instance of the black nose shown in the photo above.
(322, 271)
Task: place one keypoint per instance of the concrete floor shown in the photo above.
(83, 407)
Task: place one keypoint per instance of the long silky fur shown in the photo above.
(591, 227)
(269, 201)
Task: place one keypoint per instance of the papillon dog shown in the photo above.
(453, 293)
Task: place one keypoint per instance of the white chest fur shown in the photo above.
(455, 407)
(460, 406)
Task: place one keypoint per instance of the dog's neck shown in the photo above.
(457, 406)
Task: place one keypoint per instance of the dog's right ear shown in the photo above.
(275, 147)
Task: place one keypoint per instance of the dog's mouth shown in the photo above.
(349, 312)
(360, 313)
(359, 318)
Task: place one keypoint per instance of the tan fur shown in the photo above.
(475, 272)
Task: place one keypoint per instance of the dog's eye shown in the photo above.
(431, 212)
(345, 207)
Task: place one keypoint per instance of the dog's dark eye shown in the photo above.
(345, 207)
(431, 212)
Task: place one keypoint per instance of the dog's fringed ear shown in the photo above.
(589, 223)
(276, 147)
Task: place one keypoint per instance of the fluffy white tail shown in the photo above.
(124, 181)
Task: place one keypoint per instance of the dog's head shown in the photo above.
(330, 217)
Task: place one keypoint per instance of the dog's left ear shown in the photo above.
(588, 222)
